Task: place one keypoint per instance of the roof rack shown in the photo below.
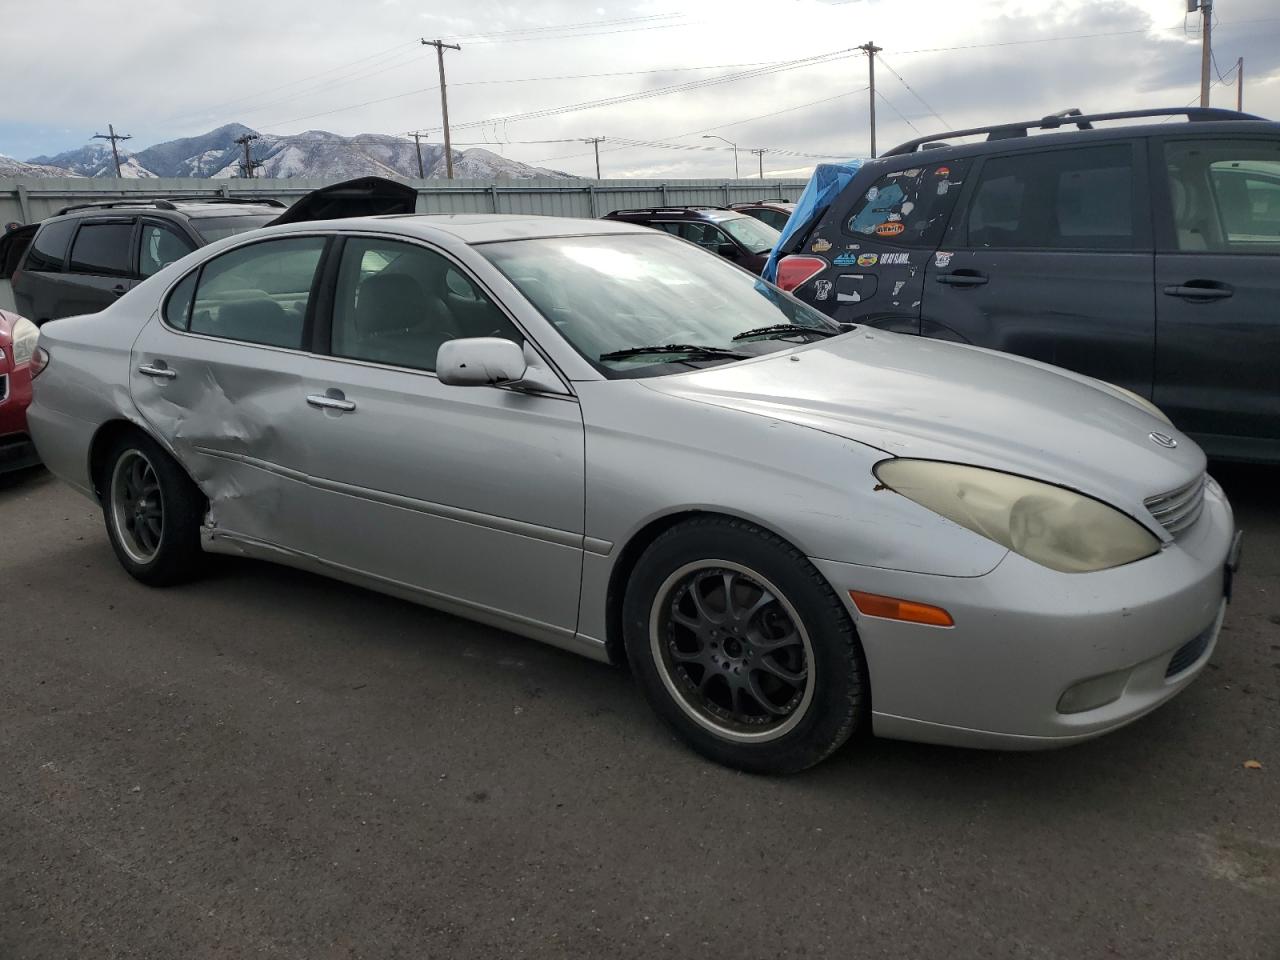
(1072, 117)
(752, 203)
(166, 203)
(671, 206)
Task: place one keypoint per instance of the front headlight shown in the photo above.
(1140, 401)
(25, 336)
(1055, 527)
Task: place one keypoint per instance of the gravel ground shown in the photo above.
(267, 763)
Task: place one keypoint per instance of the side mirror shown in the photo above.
(480, 362)
(728, 251)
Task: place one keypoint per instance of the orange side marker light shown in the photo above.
(891, 608)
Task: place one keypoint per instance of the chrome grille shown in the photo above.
(1178, 509)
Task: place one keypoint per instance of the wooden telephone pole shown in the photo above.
(871, 50)
(417, 142)
(113, 137)
(441, 47)
(595, 142)
(760, 152)
(248, 164)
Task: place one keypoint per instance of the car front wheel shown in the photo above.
(152, 511)
(742, 647)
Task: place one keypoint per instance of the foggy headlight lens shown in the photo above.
(25, 336)
(1056, 528)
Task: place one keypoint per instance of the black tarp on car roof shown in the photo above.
(362, 197)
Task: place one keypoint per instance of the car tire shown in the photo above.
(153, 512)
(766, 684)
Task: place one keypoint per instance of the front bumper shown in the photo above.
(1024, 635)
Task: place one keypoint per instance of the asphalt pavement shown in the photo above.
(270, 764)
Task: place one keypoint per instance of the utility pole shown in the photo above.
(248, 164)
(441, 47)
(760, 152)
(712, 136)
(871, 50)
(595, 142)
(113, 137)
(1206, 46)
(417, 142)
(1240, 85)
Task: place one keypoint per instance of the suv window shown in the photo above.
(1080, 199)
(909, 207)
(258, 293)
(102, 249)
(706, 235)
(1225, 195)
(49, 248)
(396, 303)
(160, 246)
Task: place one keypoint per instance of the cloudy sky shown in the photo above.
(780, 75)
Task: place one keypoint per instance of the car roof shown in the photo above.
(470, 228)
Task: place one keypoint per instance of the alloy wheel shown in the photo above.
(137, 508)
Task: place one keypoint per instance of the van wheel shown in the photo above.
(742, 647)
(153, 512)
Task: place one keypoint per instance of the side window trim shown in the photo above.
(317, 330)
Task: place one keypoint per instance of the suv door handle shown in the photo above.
(161, 372)
(119, 290)
(962, 278)
(330, 403)
(1199, 290)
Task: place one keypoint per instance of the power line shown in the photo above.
(912, 91)
(901, 115)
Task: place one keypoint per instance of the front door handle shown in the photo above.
(160, 371)
(330, 403)
(962, 278)
(119, 290)
(1199, 290)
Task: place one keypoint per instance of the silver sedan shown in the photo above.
(605, 439)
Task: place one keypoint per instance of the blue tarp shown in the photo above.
(824, 186)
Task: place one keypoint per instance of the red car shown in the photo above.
(18, 337)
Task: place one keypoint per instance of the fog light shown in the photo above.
(1093, 693)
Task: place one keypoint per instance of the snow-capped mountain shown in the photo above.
(315, 154)
(10, 167)
(95, 160)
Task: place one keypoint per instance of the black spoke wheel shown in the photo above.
(732, 650)
(742, 646)
(152, 509)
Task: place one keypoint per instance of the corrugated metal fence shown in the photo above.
(27, 200)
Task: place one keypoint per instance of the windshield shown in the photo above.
(216, 228)
(609, 293)
(756, 236)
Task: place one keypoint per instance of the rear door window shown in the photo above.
(910, 207)
(1078, 199)
(103, 249)
(49, 249)
(259, 293)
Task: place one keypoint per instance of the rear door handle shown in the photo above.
(160, 372)
(962, 278)
(119, 290)
(330, 403)
(1199, 290)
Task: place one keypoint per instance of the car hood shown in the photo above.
(911, 397)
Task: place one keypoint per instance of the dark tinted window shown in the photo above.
(909, 208)
(397, 302)
(50, 246)
(1068, 199)
(1225, 195)
(177, 310)
(102, 248)
(160, 246)
(258, 293)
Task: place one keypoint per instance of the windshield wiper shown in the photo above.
(778, 330)
(689, 349)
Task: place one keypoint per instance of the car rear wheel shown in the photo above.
(742, 647)
(152, 511)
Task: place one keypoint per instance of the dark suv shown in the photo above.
(88, 255)
(1145, 255)
(735, 236)
(775, 213)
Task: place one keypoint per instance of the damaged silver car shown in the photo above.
(603, 438)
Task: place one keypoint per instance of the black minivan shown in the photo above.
(1147, 255)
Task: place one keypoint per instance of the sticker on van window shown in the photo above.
(890, 259)
(889, 229)
(868, 259)
(942, 172)
(873, 193)
(845, 260)
(942, 260)
(820, 246)
(821, 289)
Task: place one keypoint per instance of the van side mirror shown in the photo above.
(480, 362)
